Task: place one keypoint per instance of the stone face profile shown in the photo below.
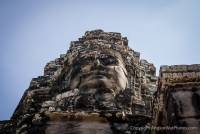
(101, 86)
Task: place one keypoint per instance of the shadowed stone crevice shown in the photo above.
(196, 102)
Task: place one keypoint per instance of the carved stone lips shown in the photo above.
(97, 74)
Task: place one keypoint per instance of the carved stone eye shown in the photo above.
(104, 60)
(109, 61)
(86, 60)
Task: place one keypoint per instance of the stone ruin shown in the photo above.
(101, 86)
(178, 98)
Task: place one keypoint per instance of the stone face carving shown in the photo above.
(107, 76)
(99, 77)
(102, 86)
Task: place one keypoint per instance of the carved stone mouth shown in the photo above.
(97, 74)
(106, 91)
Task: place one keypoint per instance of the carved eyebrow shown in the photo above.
(83, 60)
(89, 58)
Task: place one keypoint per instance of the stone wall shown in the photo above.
(178, 96)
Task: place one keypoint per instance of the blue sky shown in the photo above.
(33, 32)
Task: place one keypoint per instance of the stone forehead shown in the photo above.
(99, 53)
